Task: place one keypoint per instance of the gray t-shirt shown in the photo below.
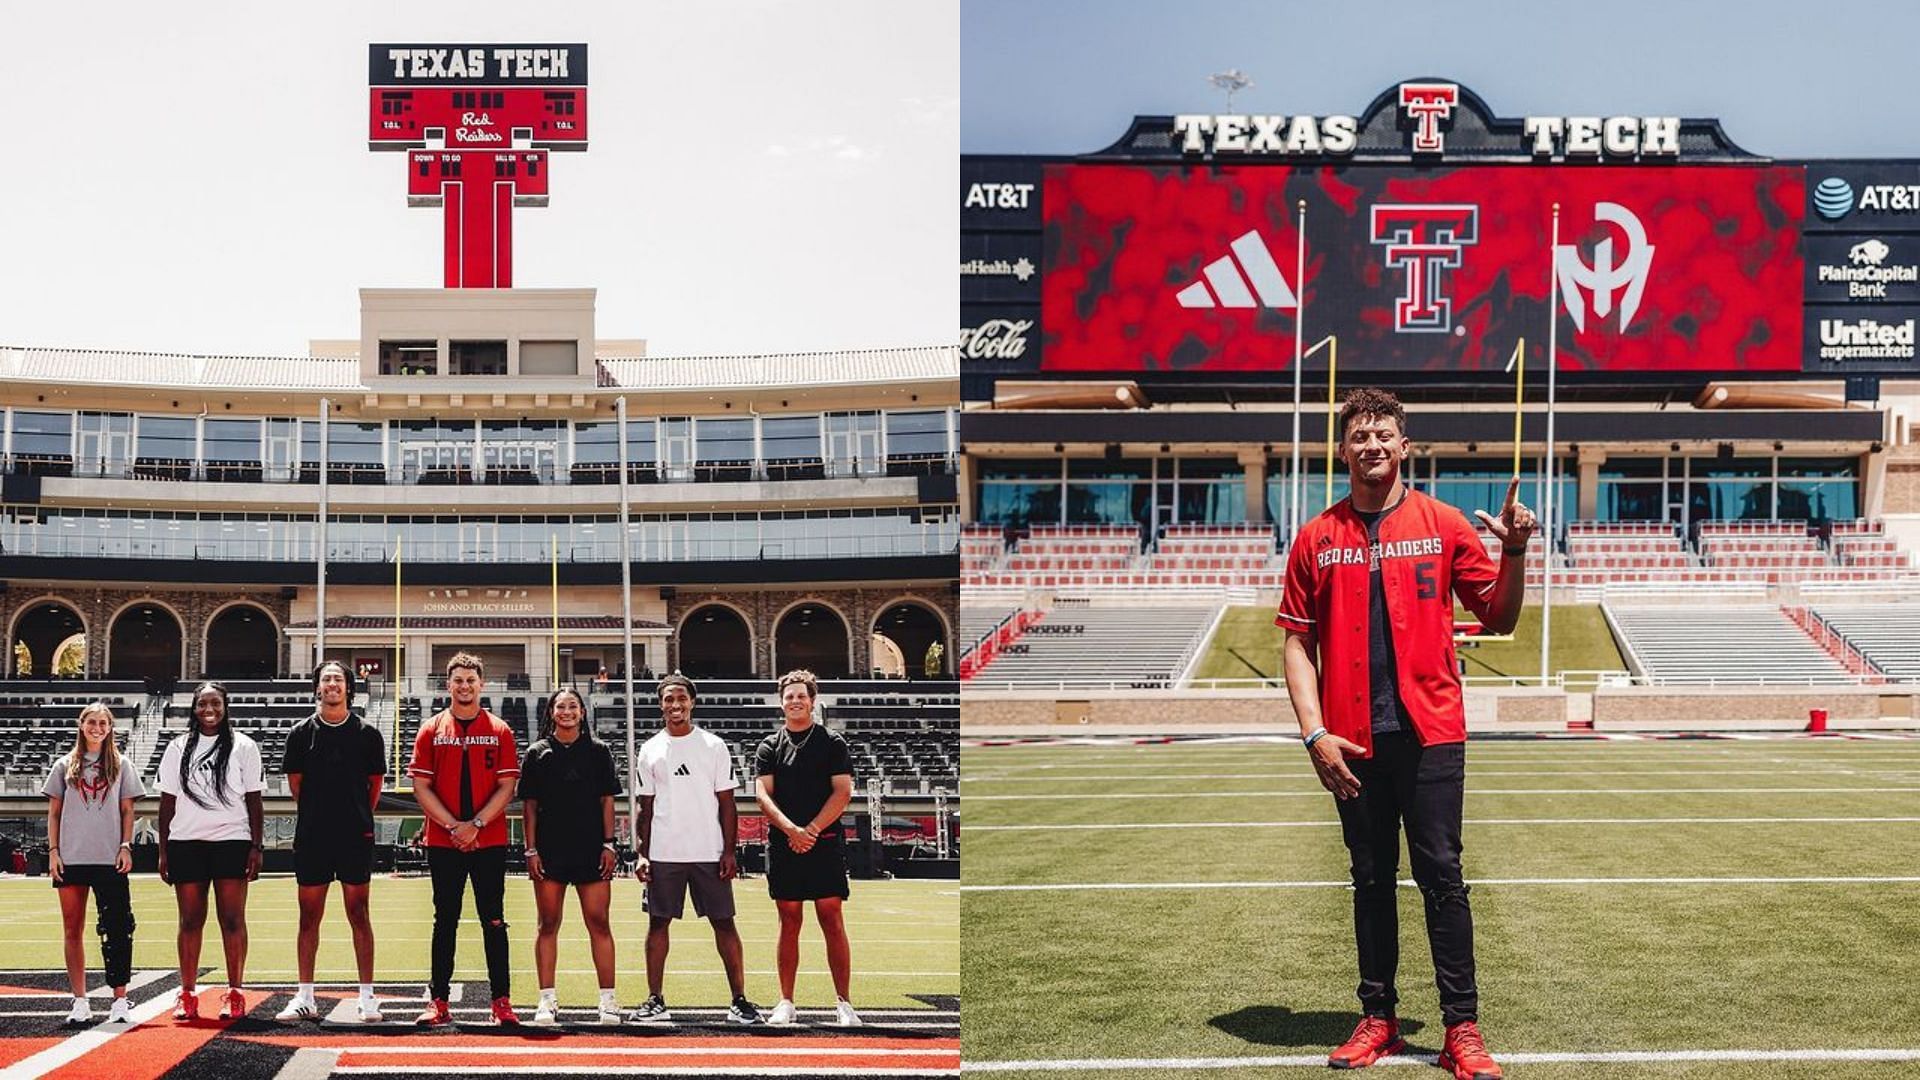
(89, 814)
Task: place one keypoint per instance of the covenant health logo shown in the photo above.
(1832, 198)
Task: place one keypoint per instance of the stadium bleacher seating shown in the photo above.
(1737, 644)
(1087, 644)
(1887, 634)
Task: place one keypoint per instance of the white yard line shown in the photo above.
(1319, 1061)
(1117, 886)
(1470, 791)
(1132, 825)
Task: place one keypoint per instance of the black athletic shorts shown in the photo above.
(190, 861)
(820, 873)
(88, 874)
(348, 860)
(572, 867)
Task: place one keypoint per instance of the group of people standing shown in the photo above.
(466, 772)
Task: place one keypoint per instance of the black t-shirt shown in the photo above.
(336, 764)
(1383, 674)
(568, 781)
(802, 787)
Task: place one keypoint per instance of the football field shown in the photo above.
(906, 973)
(1730, 907)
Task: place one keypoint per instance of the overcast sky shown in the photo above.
(1798, 79)
(764, 176)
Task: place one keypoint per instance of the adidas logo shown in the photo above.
(683, 770)
(1230, 280)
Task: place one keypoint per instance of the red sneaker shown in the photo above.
(503, 1013)
(1465, 1054)
(186, 1005)
(436, 1015)
(1375, 1038)
(233, 1005)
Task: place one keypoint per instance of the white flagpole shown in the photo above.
(320, 551)
(1299, 359)
(1547, 466)
(626, 618)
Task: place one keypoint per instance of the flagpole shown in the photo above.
(626, 616)
(1333, 375)
(320, 551)
(556, 682)
(1518, 363)
(1546, 499)
(1299, 359)
(398, 540)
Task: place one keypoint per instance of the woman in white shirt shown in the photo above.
(210, 820)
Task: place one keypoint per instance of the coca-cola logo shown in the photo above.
(995, 339)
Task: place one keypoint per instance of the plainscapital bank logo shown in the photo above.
(1832, 198)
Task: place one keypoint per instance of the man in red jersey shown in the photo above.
(464, 769)
(1371, 675)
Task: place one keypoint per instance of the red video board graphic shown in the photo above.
(478, 120)
(1152, 268)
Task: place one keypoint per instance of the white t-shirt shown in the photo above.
(222, 821)
(685, 777)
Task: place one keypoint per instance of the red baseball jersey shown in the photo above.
(488, 747)
(1428, 554)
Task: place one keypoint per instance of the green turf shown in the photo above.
(1247, 645)
(1191, 973)
(905, 937)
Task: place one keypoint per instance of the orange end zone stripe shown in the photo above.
(150, 1050)
(12, 1050)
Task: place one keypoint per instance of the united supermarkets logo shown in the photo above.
(1866, 339)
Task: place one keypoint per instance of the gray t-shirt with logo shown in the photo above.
(90, 814)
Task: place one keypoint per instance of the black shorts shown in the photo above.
(572, 867)
(820, 873)
(190, 861)
(88, 874)
(346, 859)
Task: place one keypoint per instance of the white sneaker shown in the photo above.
(82, 1012)
(609, 1010)
(844, 1015)
(547, 1012)
(299, 1008)
(369, 1009)
(782, 1015)
(120, 1013)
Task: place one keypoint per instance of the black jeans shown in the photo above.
(1422, 787)
(451, 869)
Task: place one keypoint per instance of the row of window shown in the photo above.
(812, 534)
(1154, 493)
(807, 446)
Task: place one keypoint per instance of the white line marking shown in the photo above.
(1470, 791)
(1119, 826)
(1319, 1061)
(643, 1070)
(85, 1042)
(1300, 774)
(309, 1063)
(1104, 886)
(715, 1050)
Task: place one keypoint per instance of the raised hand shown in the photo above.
(1514, 527)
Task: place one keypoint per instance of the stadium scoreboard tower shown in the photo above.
(477, 122)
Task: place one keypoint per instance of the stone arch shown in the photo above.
(819, 652)
(244, 659)
(47, 637)
(713, 648)
(914, 637)
(148, 652)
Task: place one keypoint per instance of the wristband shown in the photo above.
(1515, 552)
(128, 844)
(609, 846)
(532, 854)
(1314, 736)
